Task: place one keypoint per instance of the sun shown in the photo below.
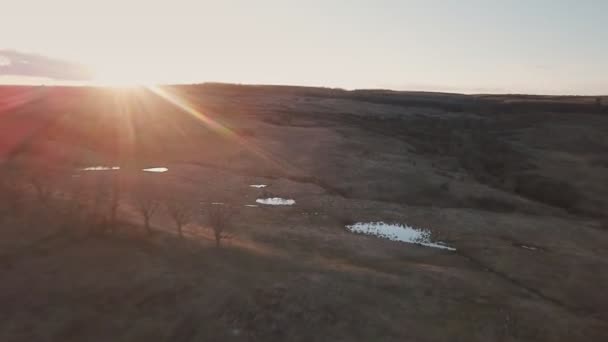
(119, 82)
(117, 77)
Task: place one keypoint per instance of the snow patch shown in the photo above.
(398, 232)
(258, 186)
(251, 205)
(529, 247)
(156, 169)
(275, 201)
(217, 203)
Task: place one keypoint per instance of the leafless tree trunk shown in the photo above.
(42, 188)
(146, 199)
(219, 217)
(114, 201)
(180, 209)
(11, 191)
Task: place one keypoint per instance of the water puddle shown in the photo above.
(275, 201)
(114, 168)
(101, 168)
(258, 186)
(156, 169)
(398, 232)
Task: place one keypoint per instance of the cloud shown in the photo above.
(16, 63)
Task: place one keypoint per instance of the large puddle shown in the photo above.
(397, 232)
(275, 201)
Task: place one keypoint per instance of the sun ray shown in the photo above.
(181, 103)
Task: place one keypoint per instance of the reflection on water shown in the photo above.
(101, 168)
(156, 169)
(397, 232)
(110, 168)
(275, 201)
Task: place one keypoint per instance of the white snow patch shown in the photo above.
(529, 247)
(275, 201)
(217, 203)
(101, 168)
(251, 205)
(258, 186)
(398, 232)
(156, 169)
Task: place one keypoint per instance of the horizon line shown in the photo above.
(70, 84)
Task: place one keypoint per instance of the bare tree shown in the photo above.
(181, 210)
(43, 188)
(11, 191)
(147, 202)
(114, 203)
(100, 193)
(75, 202)
(106, 198)
(219, 217)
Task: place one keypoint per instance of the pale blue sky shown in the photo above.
(535, 46)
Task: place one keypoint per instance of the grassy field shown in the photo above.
(518, 185)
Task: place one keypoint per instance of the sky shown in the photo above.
(470, 46)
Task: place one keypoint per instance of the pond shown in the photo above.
(397, 232)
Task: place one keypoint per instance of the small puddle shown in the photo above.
(398, 232)
(101, 168)
(275, 201)
(156, 169)
(258, 186)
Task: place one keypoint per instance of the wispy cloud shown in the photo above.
(15, 63)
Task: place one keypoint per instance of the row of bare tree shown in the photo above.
(94, 200)
(182, 210)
